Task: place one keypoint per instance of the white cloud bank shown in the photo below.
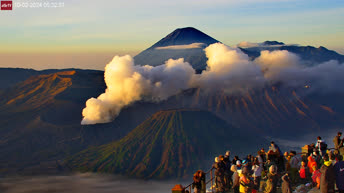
(181, 47)
(228, 70)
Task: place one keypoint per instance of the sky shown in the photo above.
(87, 34)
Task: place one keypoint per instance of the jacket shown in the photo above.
(339, 170)
(327, 178)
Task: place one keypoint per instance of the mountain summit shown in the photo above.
(184, 36)
(187, 43)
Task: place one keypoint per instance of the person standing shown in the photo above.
(327, 178)
(257, 173)
(294, 165)
(337, 141)
(198, 182)
(339, 170)
(245, 182)
(321, 146)
(227, 172)
(235, 179)
(219, 175)
(286, 184)
(303, 172)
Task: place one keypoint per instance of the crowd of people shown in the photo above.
(270, 170)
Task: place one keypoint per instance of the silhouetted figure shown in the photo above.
(327, 178)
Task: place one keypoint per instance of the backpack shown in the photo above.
(323, 146)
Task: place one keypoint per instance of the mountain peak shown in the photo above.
(273, 43)
(185, 36)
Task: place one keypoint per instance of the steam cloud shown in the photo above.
(181, 47)
(127, 83)
(228, 70)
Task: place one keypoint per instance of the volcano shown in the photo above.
(187, 43)
(169, 144)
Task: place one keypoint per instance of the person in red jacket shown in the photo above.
(303, 172)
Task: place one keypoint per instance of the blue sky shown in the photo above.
(105, 28)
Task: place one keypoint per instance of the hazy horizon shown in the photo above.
(82, 34)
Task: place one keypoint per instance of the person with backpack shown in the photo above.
(321, 146)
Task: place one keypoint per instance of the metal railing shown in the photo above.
(211, 180)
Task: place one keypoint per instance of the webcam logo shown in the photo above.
(6, 5)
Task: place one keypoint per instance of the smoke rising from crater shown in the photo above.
(228, 70)
(127, 83)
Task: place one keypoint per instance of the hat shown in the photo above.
(238, 162)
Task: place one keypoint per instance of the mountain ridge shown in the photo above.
(169, 144)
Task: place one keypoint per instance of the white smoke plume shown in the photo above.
(276, 62)
(228, 70)
(127, 83)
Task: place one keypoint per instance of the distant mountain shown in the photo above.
(41, 112)
(309, 54)
(40, 119)
(11, 76)
(272, 43)
(187, 43)
(169, 144)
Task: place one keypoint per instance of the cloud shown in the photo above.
(229, 70)
(273, 63)
(127, 83)
(181, 47)
(248, 44)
